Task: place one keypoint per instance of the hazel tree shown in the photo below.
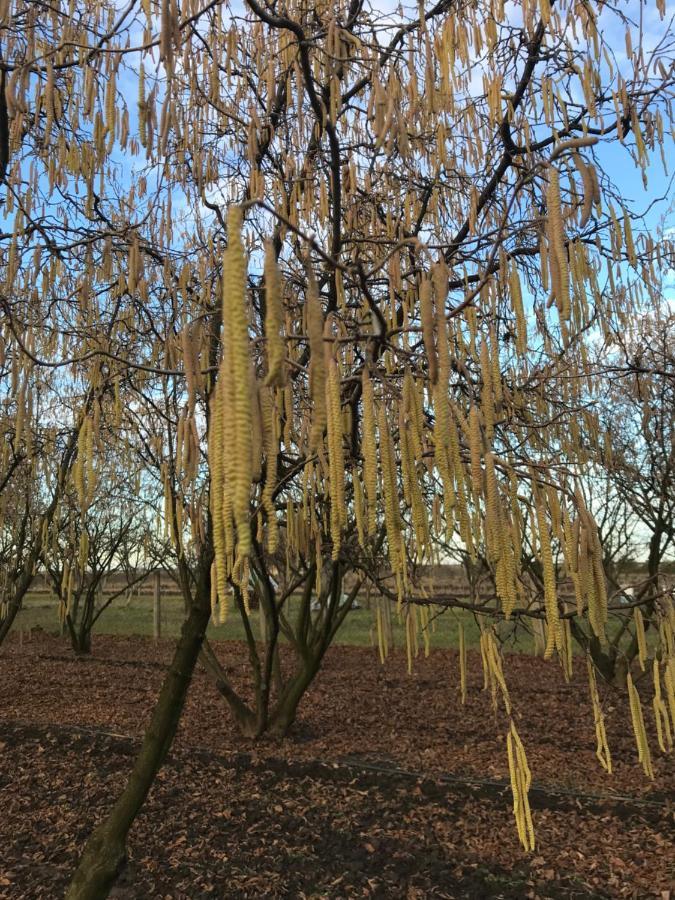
(103, 542)
(345, 269)
(57, 190)
(638, 459)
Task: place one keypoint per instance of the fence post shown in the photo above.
(157, 608)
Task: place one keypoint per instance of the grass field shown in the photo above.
(39, 610)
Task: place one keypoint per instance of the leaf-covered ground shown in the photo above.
(387, 787)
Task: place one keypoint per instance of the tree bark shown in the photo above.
(105, 852)
(20, 589)
(286, 709)
(6, 624)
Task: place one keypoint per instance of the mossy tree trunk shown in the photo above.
(105, 852)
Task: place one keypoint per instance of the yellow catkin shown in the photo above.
(495, 672)
(602, 747)
(245, 585)
(557, 252)
(166, 35)
(499, 547)
(410, 447)
(392, 513)
(496, 374)
(517, 303)
(274, 317)
(270, 447)
(414, 414)
(443, 454)
(553, 636)
(190, 365)
(521, 779)
(664, 732)
(359, 510)
(462, 663)
(494, 527)
(669, 687)
(142, 109)
(380, 631)
(440, 282)
(644, 754)
(317, 362)
(427, 315)
(256, 428)
(555, 511)
(216, 442)
(235, 327)
(214, 592)
(587, 181)
(571, 550)
(407, 459)
(338, 515)
(369, 450)
(20, 415)
(640, 637)
(487, 397)
(476, 449)
(576, 143)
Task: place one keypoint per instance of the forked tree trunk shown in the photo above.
(266, 717)
(273, 712)
(286, 709)
(105, 852)
(80, 636)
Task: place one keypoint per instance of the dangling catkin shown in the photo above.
(235, 373)
(427, 315)
(317, 361)
(274, 317)
(521, 779)
(359, 510)
(476, 450)
(392, 513)
(557, 252)
(640, 637)
(553, 636)
(664, 732)
(270, 447)
(517, 303)
(486, 396)
(644, 755)
(369, 449)
(338, 514)
(602, 748)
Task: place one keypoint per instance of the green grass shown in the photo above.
(357, 629)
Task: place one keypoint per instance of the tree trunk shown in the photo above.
(105, 852)
(6, 624)
(286, 709)
(82, 644)
(20, 589)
